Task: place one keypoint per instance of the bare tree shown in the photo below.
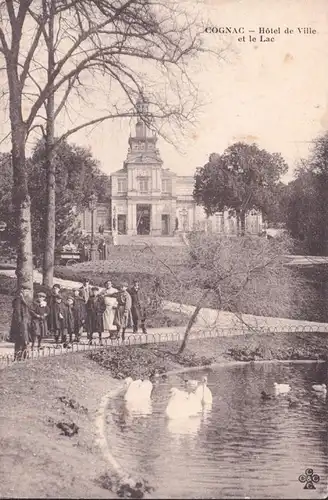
(240, 275)
(125, 45)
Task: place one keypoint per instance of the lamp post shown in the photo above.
(114, 220)
(92, 207)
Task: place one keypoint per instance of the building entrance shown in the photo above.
(143, 219)
(165, 225)
(121, 224)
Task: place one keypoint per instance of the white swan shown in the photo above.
(204, 393)
(137, 390)
(182, 404)
(322, 388)
(281, 388)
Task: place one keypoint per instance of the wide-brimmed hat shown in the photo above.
(41, 294)
(56, 285)
(124, 284)
(95, 289)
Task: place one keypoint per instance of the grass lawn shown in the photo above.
(151, 267)
(36, 460)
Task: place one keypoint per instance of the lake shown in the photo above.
(245, 447)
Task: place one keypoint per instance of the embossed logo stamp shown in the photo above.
(309, 478)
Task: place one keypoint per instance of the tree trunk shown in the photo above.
(242, 223)
(20, 195)
(22, 210)
(238, 223)
(50, 239)
(192, 321)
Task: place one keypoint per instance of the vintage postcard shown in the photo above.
(164, 249)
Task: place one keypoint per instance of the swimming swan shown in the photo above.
(204, 393)
(182, 404)
(137, 390)
(191, 385)
(281, 388)
(322, 388)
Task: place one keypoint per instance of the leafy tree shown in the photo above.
(78, 175)
(306, 205)
(242, 178)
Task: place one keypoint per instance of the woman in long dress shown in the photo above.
(110, 306)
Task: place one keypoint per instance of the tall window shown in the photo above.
(143, 185)
(165, 185)
(121, 185)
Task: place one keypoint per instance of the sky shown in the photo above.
(271, 93)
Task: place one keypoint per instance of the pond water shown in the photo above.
(245, 447)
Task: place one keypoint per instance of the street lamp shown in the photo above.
(92, 207)
(114, 220)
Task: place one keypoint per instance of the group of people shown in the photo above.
(90, 308)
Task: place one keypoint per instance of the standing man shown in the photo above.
(86, 290)
(21, 323)
(138, 309)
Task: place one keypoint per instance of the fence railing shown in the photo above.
(47, 351)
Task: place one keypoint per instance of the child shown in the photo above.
(79, 310)
(59, 313)
(95, 309)
(51, 303)
(39, 314)
(69, 319)
(123, 310)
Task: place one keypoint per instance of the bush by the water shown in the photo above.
(145, 361)
(263, 352)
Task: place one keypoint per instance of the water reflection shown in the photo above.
(139, 408)
(243, 447)
(185, 426)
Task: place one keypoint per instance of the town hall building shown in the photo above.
(149, 199)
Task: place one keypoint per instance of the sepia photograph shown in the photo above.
(164, 249)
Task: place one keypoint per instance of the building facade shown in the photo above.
(148, 199)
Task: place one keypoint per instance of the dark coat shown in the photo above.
(39, 325)
(20, 328)
(56, 311)
(52, 304)
(69, 320)
(95, 310)
(138, 303)
(80, 313)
